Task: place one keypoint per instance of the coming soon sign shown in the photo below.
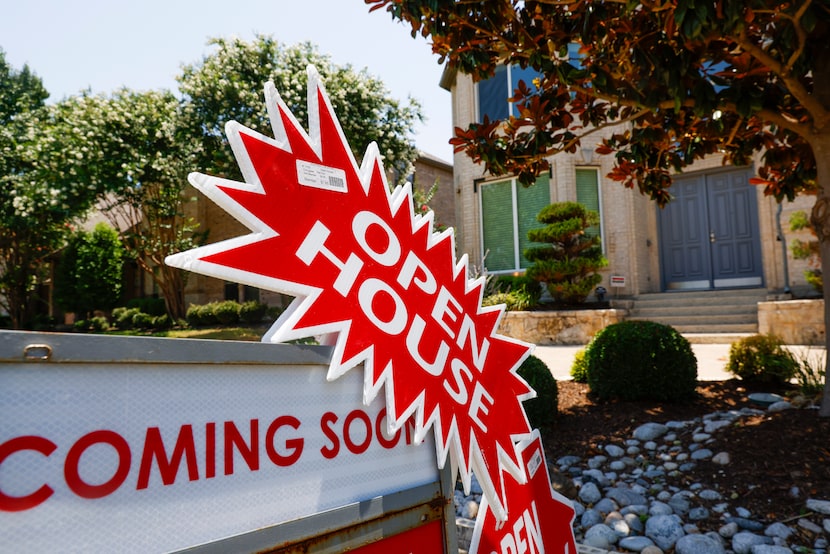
(197, 442)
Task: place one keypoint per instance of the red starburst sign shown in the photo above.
(540, 519)
(374, 281)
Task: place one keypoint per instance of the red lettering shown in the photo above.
(73, 476)
(168, 468)
(249, 453)
(380, 432)
(326, 422)
(354, 447)
(210, 450)
(18, 444)
(295, 445)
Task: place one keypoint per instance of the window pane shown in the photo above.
(587, 193)
(518, 74)
(492, 96)
(497, 223)
(530, 202)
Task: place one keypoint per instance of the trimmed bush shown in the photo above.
(123, 317)
(143, 321)
(579, 368)
(227, 312)
(762, 359)
(641, 360)
(542, 410)
(252, 311)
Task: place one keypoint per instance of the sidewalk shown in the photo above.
(711, 359)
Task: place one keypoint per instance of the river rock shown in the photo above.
(698, 544)
(664, 530)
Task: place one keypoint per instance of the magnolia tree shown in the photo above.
(684, 80)
(227, 85)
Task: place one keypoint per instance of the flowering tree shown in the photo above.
(227, 85)
(128, 147)
(686, 78)
(34, 213)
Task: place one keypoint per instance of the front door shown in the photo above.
(709, 233)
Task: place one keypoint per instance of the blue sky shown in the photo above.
(105, 44)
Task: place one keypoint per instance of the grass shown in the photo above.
(212, 333)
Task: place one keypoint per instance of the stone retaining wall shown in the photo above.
(795, 321)
(558, 327)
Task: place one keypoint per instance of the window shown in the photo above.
(587, 194)
(508, 212)
(493, 93)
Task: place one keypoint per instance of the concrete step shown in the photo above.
(721, 312)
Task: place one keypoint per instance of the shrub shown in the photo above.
(81, 326)
(811, 374)
(641, 360)
(142, 321)
(162, 322)
(572, 255)
(226, 312)
(513, 301)
(762, 359)
(252, 311)
(541, 411)
(579, 368)
(123, 317)
(201, 315)
(99, 324)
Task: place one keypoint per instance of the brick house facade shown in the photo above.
(638, 239)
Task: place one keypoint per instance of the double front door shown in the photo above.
(709, 234)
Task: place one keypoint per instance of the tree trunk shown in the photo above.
(820, 220)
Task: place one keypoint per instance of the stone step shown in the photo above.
(704, 309)
(713, 312)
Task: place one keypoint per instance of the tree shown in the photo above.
(227, 85)
(90, 274)
(129, 146)
(684, 79)
(34, 213)
(569, 260)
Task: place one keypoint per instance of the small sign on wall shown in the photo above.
(617, 280)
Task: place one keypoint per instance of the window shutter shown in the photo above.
(497, 225)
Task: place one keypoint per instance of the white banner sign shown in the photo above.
(148, 458)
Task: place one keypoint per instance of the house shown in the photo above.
(720, 233)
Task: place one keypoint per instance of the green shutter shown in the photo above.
(497, 223)
(587, 193)
(530, 202)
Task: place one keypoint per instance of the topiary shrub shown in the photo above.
(571, 257)
(762, 359)
(641, 360)
(542, 410)
(579, 367)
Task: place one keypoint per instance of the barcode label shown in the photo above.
(321, 176)
(534, 463)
